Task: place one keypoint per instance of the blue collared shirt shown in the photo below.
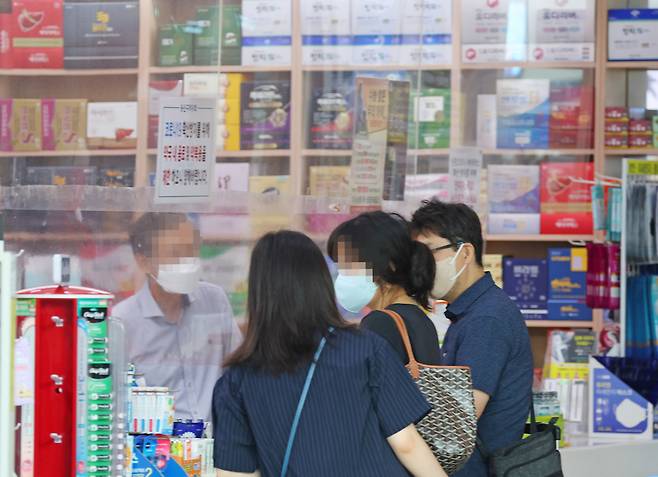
(488, 333)
(185, 356)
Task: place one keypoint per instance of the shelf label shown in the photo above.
(464, 171)
(643, 168)
(633, 34)
(186, 150)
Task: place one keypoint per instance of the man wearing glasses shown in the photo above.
(487, 331)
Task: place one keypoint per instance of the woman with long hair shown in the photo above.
(307, 394)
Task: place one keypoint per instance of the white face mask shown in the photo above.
(182, 277)
(446, 275)
(630, 414)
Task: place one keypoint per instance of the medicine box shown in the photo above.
(513, 189)
(331, 112)
(64, 124)
(568, 310)
(329, 181)
(560, 191)
(567, 271)
(523, 109)
(526, 283)
(37, 34)
(176, 45)
(265, 115)
(20, 125)
(514, 224)
(112, 125)
(429, 119)
(578, 223)
(619, 407)
(206, 39)
(101, 34)
(231, 38)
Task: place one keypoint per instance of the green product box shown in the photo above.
(429, 122)
(206, 56)
(207, 20)
(176, 46)
(99, 379)
(94, 312)
(232, 35)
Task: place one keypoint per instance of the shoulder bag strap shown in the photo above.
(404, 334)
(300, 404)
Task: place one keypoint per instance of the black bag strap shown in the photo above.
(533, 418)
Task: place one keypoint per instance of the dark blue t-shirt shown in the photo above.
(360, 395)
(488, 333)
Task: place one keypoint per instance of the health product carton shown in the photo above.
(426, 32)
(326, 32)
(265, 115)
(266, 33)
(329, 181)
(37, 34)
(175, 45)
(6, 58)
(101, 34)
(513, 189)
(514, 224)
(231, 38)
(526, 283)
(112, 125)
(331, 111)
(523, 109)
(20, 125)
(429, 122)
(206, 42)
(566, 205)
(377, 32)
(64, 124)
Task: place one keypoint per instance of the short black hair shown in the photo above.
(291, 303)
(454, 222)
(148, 226)
(384, 242)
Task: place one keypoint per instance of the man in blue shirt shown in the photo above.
(487, 331)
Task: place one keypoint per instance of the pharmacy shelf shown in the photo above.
(348, 152)
(64, 237)
(392, 68)
(539, 238)
(82, 153)
(558, 324)
(631, 152)
(245, 154)
(633, 65)
(538, 152)
(62, 72)
(166, 70)
(529, 65)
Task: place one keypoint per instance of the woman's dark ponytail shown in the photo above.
(421, 274)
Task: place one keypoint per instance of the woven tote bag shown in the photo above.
(450, 428)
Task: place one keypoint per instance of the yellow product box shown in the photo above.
(64, 124)
(26, 125)
(271, 214)
(329, 181)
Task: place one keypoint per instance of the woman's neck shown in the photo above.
(395, 296)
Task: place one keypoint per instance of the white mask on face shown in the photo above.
(446, 275)
(182, 277)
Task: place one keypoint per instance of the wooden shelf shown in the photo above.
(246, 154)
(538, 238)
(65, 236)
(61, 72)
(633, 65)
(162, 70)
(84, 153)
(631, 152)
(358, 68)
(348, 152)
(538, 152)
(529, 65)
(558, 324)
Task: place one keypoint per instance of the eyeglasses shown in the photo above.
(444, 247)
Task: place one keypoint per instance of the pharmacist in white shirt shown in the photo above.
(178, 329)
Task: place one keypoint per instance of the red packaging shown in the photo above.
(572, 107)
(616, 112)
(560, 194)
(596, 275)
(154, 123)
(616, 126)
(616, 141)
(640, 126)
(567, 224)
(5, 40)
(574, 139)
(37, 34)
(640, 140)
(613, 275)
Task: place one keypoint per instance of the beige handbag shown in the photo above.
(450, 428)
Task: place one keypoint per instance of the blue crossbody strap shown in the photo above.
(300, 405)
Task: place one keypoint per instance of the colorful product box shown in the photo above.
(434, 19)
(101, 34)
(567, 223)
(523, 109)
(6, 59)
(265, 115)
(633, 34)
(655, 131)
(640, 126)
(20, 125)
(572, 116)
(639, 141)
(616, 126)
(560, 193)
(616, 112)
(37, 34)
(571, 139)
(567, 274)
(64, 124)
(231, 38)
(526, 283)
(331, 112)
(420, 187)
(329, 181)
(326, 32)
(112, 125)
(568, 310)
(514, 224)
(266, 32)
(176, 45)
(206, 40)
(429, 125)
(616, 140)
(513, 189)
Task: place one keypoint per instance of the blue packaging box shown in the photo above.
(523, 110)
(567, 274)
(101, 34)
(526, 283)
(569, 310)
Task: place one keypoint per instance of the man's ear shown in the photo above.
(468, 252)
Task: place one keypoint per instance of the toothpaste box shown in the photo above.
(265, 115)
(429, 125)
(513, 189)
(112, 125)
(37, 34)
(20, 125)
(526, 283)
(101, 34)
(523, 110)
(514, 224)
(64, 124)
